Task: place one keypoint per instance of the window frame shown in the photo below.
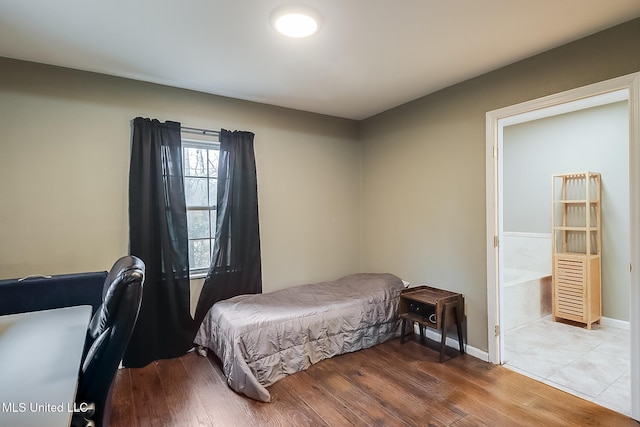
(195, 273)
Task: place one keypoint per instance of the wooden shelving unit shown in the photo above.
(576, 247)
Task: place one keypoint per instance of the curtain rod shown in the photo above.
(199, 131)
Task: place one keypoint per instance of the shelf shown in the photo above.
(580, 175)
(576, 202)
(420, 319)
(576, 254)
(567, 228)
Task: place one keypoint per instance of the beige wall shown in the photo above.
(64, 161)
(423, 166)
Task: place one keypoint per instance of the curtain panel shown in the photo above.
(158, 236)
(236, 266)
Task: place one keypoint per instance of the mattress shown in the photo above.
(262, 338)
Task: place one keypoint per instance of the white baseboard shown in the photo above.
(615, 323)
(453, 343)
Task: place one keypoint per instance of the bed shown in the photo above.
(262, 338)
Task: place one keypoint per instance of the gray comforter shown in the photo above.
(262, 338)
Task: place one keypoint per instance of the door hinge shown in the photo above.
(495, 151)
(497, 330)
(495, 241)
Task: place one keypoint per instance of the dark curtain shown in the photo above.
(235, 266)
(158, 236)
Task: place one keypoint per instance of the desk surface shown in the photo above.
(40, 354)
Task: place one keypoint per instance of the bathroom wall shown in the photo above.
(595, 139)
(527, 251)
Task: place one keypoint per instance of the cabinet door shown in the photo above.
(569, 288)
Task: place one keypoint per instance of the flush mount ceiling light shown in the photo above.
(295, 22)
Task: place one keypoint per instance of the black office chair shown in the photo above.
(107, 338)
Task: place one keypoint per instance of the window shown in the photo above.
(200, 186)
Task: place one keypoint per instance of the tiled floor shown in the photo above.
(593, 364)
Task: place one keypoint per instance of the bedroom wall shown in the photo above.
(423, 166)
(64, 161)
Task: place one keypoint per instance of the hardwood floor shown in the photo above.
(388, 385)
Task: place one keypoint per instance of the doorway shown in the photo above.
(627, 88)
(593, 139)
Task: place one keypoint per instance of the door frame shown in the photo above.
(624, 87)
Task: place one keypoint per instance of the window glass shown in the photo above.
(200, 185)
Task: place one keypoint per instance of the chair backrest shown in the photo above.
(109, 332)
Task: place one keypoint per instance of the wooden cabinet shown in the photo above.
(576, 247)
(434, 308)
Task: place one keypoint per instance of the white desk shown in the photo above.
(40, 354)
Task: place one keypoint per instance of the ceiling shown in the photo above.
(369, 55)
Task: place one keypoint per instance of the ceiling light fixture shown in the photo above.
(295, 22)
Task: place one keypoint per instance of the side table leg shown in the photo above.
(444, 332)
(403, 327)
(460, 343)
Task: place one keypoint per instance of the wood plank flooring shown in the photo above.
(387, 385)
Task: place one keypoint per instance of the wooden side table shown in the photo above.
(433, 308)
